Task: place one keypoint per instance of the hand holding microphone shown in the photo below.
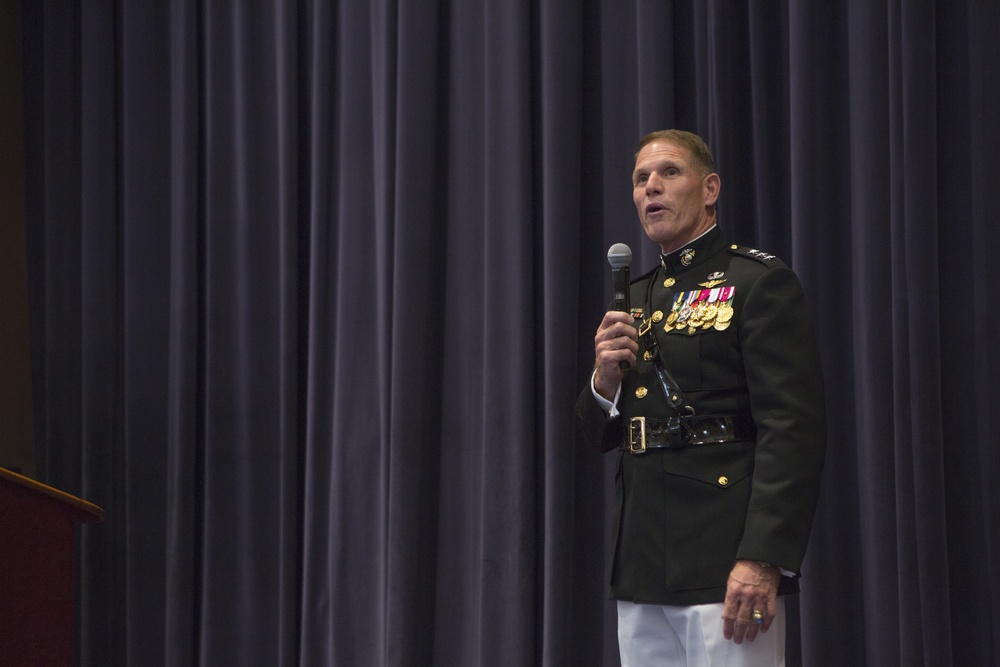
(616, 342)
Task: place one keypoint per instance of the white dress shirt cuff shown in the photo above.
(608, 406)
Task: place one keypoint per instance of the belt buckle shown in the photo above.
(641, 421)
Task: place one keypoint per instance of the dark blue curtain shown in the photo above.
(314, 287)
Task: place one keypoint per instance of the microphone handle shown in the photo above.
(620, 297)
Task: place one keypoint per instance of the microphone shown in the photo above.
(620, 257)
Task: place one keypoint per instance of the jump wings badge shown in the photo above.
(699, 310)
(714, 280)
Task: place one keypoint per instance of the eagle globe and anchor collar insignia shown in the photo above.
(686, 258)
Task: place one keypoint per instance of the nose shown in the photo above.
(654, 183)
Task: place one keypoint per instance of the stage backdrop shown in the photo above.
(314, 287)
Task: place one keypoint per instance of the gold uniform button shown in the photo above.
(723, 481)
(640, 392)
(657, 316)
(669, 282)
(647, 355)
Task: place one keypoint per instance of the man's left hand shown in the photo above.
(751, 588)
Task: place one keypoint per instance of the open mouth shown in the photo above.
(654, 208)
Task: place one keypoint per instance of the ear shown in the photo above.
(711, 186)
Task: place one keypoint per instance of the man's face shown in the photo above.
(675, 201)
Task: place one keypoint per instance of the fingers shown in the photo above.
(619, 322)
(736, 619)
(751, 601)
(617, 336)
(756, 624)
(616, 341)
(743, 619)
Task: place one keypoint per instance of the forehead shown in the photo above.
(659, 152)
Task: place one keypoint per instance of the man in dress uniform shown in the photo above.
(718, 424)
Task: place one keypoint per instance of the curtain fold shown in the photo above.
(314, 287)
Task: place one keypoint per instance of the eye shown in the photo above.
(641, 178)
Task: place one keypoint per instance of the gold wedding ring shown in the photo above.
(757, 616)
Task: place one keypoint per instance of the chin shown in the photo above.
(660, 237)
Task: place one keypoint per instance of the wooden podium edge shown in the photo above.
(83, 511)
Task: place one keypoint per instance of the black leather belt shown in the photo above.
(678, 432)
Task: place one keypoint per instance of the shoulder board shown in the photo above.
(753, 253)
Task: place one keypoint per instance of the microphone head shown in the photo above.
(619, 256)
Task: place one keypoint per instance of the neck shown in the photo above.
(674, 247)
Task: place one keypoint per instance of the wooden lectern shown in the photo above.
(38, 571)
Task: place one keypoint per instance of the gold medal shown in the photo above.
(698, 315)
(725, 312)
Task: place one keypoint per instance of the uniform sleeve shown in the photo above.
(594, 425)
(782, 365)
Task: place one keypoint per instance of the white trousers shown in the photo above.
(652, 635)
